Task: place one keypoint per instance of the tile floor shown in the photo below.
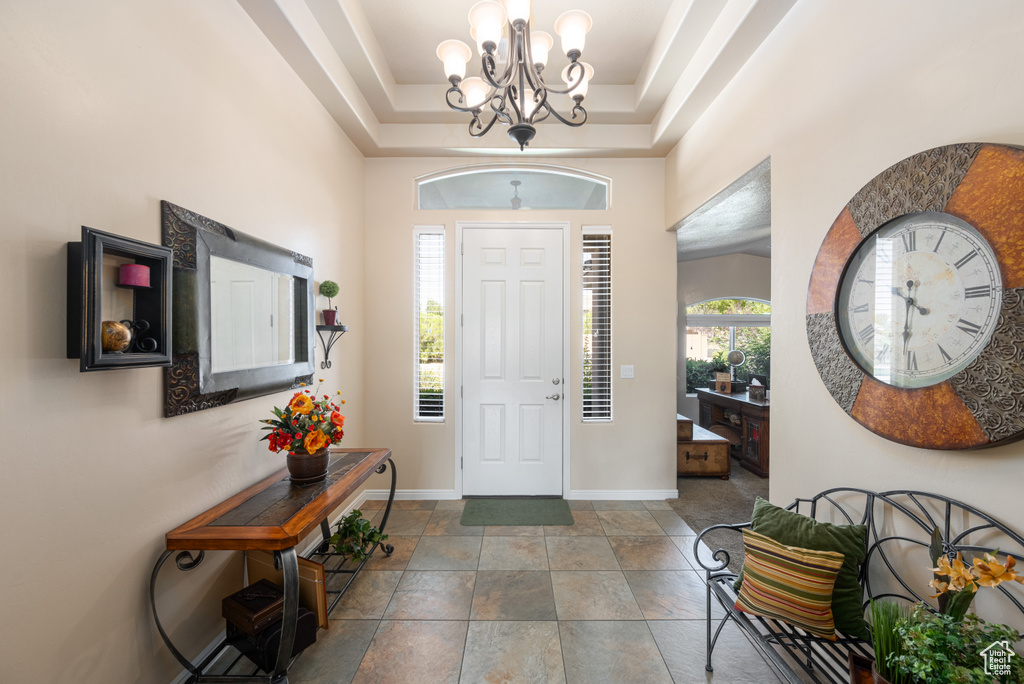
(616, 597)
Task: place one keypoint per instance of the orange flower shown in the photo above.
(338, 419)
(315, 441)
(300, 403)
(960, 577)
(991, 573)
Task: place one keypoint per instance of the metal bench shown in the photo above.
(897, 565)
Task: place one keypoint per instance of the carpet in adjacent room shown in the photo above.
(707, 501)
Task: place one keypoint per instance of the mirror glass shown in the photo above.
(252, 316)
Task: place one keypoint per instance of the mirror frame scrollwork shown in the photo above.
(189, 383)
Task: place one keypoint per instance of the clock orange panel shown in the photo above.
(991, 198)
(840, 242)
(928, 417)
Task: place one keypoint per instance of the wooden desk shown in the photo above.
(273, 515)
(753, 426)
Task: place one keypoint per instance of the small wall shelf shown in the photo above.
(336, 331)
(94, 295)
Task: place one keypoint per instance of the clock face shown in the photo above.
(919, 299)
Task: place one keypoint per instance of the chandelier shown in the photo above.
(515, 93)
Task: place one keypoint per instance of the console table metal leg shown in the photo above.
(388, 548)
(184, 561)
(287, 561)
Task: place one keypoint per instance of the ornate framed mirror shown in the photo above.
(242, 311)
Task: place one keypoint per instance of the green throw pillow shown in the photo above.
(794, 529)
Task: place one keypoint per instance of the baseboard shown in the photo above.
(409, 494)
(623, 494)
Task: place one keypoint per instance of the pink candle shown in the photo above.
(134, 275)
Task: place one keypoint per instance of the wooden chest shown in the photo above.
(706, 454)
(684, 428)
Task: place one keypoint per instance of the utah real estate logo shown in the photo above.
(997, 658)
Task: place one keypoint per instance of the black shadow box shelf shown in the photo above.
(148, 315)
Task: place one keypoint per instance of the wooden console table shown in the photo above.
(274, 515)
(753, 425)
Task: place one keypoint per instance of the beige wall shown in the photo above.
(108, 107)
(733, 276)
(838, 93)
(635, 452)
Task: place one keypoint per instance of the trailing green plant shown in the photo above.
(886, 617)
(943, 649)
(355, 537)
(329, 288)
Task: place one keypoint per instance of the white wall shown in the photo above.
(837, 94)
(733, 276)
(108, 107)
(635, 451)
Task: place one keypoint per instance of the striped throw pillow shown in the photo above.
(789, 584)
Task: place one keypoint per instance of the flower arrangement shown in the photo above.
(956, 582)
(945, 646)
(307, 424)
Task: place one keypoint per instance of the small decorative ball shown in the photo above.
(116, 336)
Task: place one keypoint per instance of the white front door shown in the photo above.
(512, 355)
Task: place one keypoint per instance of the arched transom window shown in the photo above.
(513, 187)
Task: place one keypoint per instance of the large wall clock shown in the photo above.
(915, 309)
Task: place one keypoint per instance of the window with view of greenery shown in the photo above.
(429, 297)
(713, 328)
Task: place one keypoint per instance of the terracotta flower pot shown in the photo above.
(308, 468)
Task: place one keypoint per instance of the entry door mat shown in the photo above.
(516, 512)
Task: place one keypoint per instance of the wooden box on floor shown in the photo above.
(684, 428)
(706, 454)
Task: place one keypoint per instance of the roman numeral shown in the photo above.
(965, 258)
(941, 235)
(863, 308)
(946, 357)
(910, 241)
(979, 291)
(968, 327)
(911, 360)
(866, 334)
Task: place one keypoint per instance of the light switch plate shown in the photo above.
(627, 372)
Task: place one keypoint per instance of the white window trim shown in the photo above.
(417, 232)
(600, 230)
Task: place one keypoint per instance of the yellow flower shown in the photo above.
(315, 441)
(991, 573)
(301, 403)
(939, 586)
(960, 577)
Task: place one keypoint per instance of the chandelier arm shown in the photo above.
(458, 107)
(575, 66)
(577, 109)
(488, 67)
(540, 102)
(481, 129)
(499, 109)
(547, 113)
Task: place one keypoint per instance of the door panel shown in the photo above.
(512, 353)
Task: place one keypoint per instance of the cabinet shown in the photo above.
(753, 425)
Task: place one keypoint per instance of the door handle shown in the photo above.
(556, 397)
(555, 381)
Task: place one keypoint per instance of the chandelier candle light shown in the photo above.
(517, 95)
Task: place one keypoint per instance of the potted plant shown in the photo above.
(356, 537)
(305, 428)
(886, 618)
(329, 289)
(947, 646)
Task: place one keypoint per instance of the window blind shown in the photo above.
(597, 326)
(428, 393)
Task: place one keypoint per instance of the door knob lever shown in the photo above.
(556, 397)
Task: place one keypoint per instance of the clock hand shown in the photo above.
(906, 325)
(910, 300)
